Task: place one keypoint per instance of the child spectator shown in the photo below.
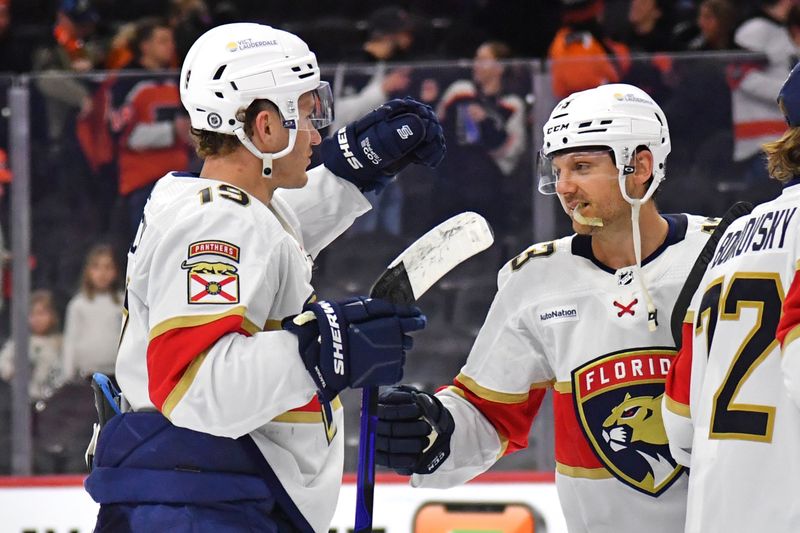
(44, 349)
(93, 318)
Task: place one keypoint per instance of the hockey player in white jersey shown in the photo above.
(732, 399)
(235, 422)
(586, 315)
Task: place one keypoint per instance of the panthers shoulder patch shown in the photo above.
(212, 282)
(618, 404)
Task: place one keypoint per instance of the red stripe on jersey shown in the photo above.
(170, 354)
(679, 379)
(790, 318)
(311, 407)
(572, 448)
(511, 420)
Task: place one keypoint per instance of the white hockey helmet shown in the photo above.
(618, 116)
(232, 65)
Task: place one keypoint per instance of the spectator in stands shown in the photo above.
(94, 317)
(74, 49)
(581, 54)
(152, 129)
(650, 26)
(391, 34)
(120, 54)
(716, 20)
(754, 85)
(44, 350)
(189, 19)
(485, 125)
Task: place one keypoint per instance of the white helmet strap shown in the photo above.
(266, 158)
(636, 204)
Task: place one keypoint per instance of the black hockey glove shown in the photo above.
(371, 150)
(358, 342)
(413, 431)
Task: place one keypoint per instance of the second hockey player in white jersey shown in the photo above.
(585, 315)
(733, 397)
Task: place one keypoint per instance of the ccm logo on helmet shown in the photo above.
(344, 146)
(336, 336)
(557, 127)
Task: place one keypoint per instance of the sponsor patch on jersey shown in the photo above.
(219, 248)
(567, 313)
(618, 402)
(212, 282)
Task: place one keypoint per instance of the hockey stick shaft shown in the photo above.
(695, 276)
(408, 277)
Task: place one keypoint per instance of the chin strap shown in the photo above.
(652, 312)
(266, 159)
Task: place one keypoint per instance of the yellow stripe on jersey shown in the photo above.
(676, 407)
(273, 325)
(306, 417)
(689, 318)
(791, 336)
(496, 396)
(183, 385)
(564, 387)
(586, 473)
(200, 320)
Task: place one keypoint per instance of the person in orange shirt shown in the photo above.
(580, 54)
(152, 130)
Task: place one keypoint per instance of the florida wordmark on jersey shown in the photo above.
(731, 409)
(563, 320)
(210, 275)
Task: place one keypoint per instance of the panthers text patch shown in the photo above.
(219, 248)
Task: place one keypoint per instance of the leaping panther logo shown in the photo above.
(636, 424)
(618, 404)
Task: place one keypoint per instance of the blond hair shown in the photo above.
(783, 156)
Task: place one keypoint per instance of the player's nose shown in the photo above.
(316, 138)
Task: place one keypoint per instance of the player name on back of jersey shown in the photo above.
(764, 232)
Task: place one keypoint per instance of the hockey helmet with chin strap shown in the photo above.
(618, 116)
(622, 118)
(231, 66)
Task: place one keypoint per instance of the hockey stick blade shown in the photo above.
(739, 209)
(407, 278)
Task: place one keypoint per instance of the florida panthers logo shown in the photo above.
(636, 425)
(618, 402)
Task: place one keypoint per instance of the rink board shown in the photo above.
(59, 504)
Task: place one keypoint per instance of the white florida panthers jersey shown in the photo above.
(731, 406)
(210, 275)
(562, 320)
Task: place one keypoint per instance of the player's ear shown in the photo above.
(643, 168)
(267, 128)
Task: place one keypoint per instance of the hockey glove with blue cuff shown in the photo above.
(371, 150)
(358, 342)
(413, 431)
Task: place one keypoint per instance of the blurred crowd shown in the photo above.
(107, 123)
